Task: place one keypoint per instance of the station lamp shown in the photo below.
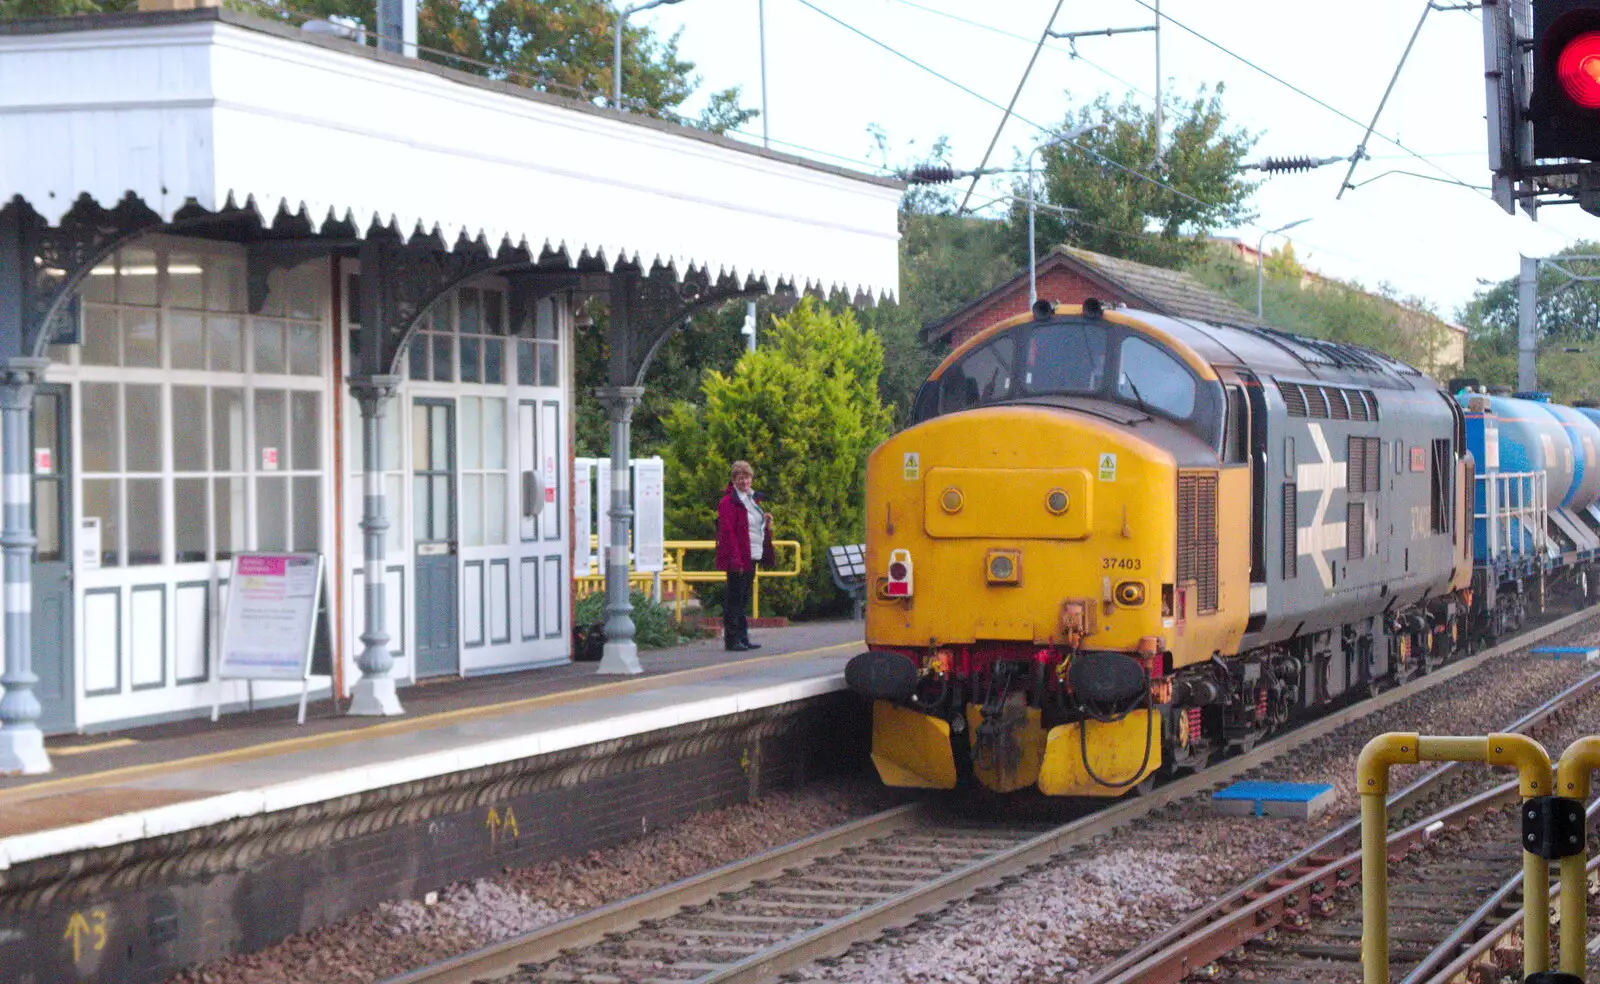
(1564, 106)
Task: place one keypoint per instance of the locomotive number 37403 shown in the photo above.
(1119, 563)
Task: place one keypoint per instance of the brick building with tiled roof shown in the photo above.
(1068, 275)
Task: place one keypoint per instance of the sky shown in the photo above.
(826, 85)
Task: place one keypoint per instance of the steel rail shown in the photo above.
(1157, 959)
(838, 935)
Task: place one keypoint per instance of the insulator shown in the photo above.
(1286, 164)
(932, 174)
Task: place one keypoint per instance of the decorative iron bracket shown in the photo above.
(41, 265)
(263, 259)
(650, 309)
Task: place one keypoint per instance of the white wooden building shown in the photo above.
(265, 290)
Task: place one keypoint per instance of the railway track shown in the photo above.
(777, 912)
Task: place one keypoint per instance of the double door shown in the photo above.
(52, 564)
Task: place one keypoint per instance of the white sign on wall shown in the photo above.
(602, 508)
(275, 623)
(582, 515)
(649, 519)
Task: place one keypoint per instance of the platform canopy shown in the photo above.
(212, 109)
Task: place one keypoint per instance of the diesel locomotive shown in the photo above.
(1115, 544)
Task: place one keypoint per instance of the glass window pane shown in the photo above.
(225, 279)
(420, 507)
(494, 317)
(226, 334)
(189, 513)
(101, 283)
(306, 522)
(393, 505)
(137, 284)
(419, 437)
(472, 510)
(392, 419)
(186, 331)
(467, 310)
(494, 508)
(439, 439)
(46, 432)
(303, 291)
(443, 358)
(494, 433)
(471, 372)
(227, 513)
(145, 434)
(100, 339)
(100, 499)
(272, 452)
(268, 337)
(545, 318)
(1152, 378)
(189, 428)
(141, 338)
(47, 519)
(145, 530)
(549, 363)
(471, 440)
(305, 350)
(102, 427)
(305, 430)
(494, 356)
(185, 280)
(272, 514)
(227, 430)
(525, 363)
(441, 507)
(419, 356)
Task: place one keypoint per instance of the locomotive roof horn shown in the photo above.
(1043, 309)
(1093, 307)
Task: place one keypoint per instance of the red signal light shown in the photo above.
(1578, 68)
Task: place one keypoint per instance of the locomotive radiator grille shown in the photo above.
(1197, 537)
(1291, 526)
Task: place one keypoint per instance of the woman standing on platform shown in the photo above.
(744, 539)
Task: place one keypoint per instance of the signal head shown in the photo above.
(1578, 69)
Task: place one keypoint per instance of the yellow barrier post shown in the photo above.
(1535, 779)
(1581, 758)
(682, 578)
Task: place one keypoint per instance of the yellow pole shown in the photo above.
(1374, 890)
(1574, 914)
(1535, 914)
(755, 596)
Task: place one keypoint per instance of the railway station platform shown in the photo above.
(181, 843)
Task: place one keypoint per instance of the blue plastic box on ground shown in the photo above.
(1567, 652)
(1295, 800)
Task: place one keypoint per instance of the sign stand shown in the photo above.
(275, 626)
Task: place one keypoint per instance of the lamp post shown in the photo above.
(1033, 263)
(616, 49)
(1259, 267)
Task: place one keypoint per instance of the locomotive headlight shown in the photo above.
(951, 500)
(1130, 594)
(1057, 501)
(1004, 566)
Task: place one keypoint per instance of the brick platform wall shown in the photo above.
(140, 912)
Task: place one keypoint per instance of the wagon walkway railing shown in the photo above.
(676, 577)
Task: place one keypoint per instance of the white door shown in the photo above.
(543, 498)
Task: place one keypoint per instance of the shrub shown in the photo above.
(805, 411)
(653, 624)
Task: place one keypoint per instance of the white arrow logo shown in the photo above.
(1323, 476)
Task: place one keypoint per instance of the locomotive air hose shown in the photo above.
(1149, 741)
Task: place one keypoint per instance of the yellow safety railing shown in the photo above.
(1536, 781)
(675, 574)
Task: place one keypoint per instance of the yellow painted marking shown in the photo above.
(93, 927)
(97, 747)
(52, 787)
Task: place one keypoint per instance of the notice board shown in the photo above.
(275, 626)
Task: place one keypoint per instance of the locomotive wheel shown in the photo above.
(1144, 788)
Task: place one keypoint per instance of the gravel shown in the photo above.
(397, 937)
(1065, 920)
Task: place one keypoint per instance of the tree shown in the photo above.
(560, 46)
(804, 410)
(1121, 213)
(1568, 330)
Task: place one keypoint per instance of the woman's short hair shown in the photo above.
(742, 468)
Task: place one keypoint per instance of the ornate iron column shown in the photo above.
(21, 741)
(374, 693)
(621, 655)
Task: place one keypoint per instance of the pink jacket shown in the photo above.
(733, 535)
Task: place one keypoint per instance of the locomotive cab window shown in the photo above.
(1069, 358)
(983, 377)
(1155, 380)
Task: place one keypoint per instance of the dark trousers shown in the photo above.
(736, 608)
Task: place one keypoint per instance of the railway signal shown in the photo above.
(1564, 106)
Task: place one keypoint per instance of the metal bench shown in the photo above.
(848, 566)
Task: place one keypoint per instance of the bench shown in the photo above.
(848, 566)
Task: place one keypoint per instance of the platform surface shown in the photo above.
(123, 786)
